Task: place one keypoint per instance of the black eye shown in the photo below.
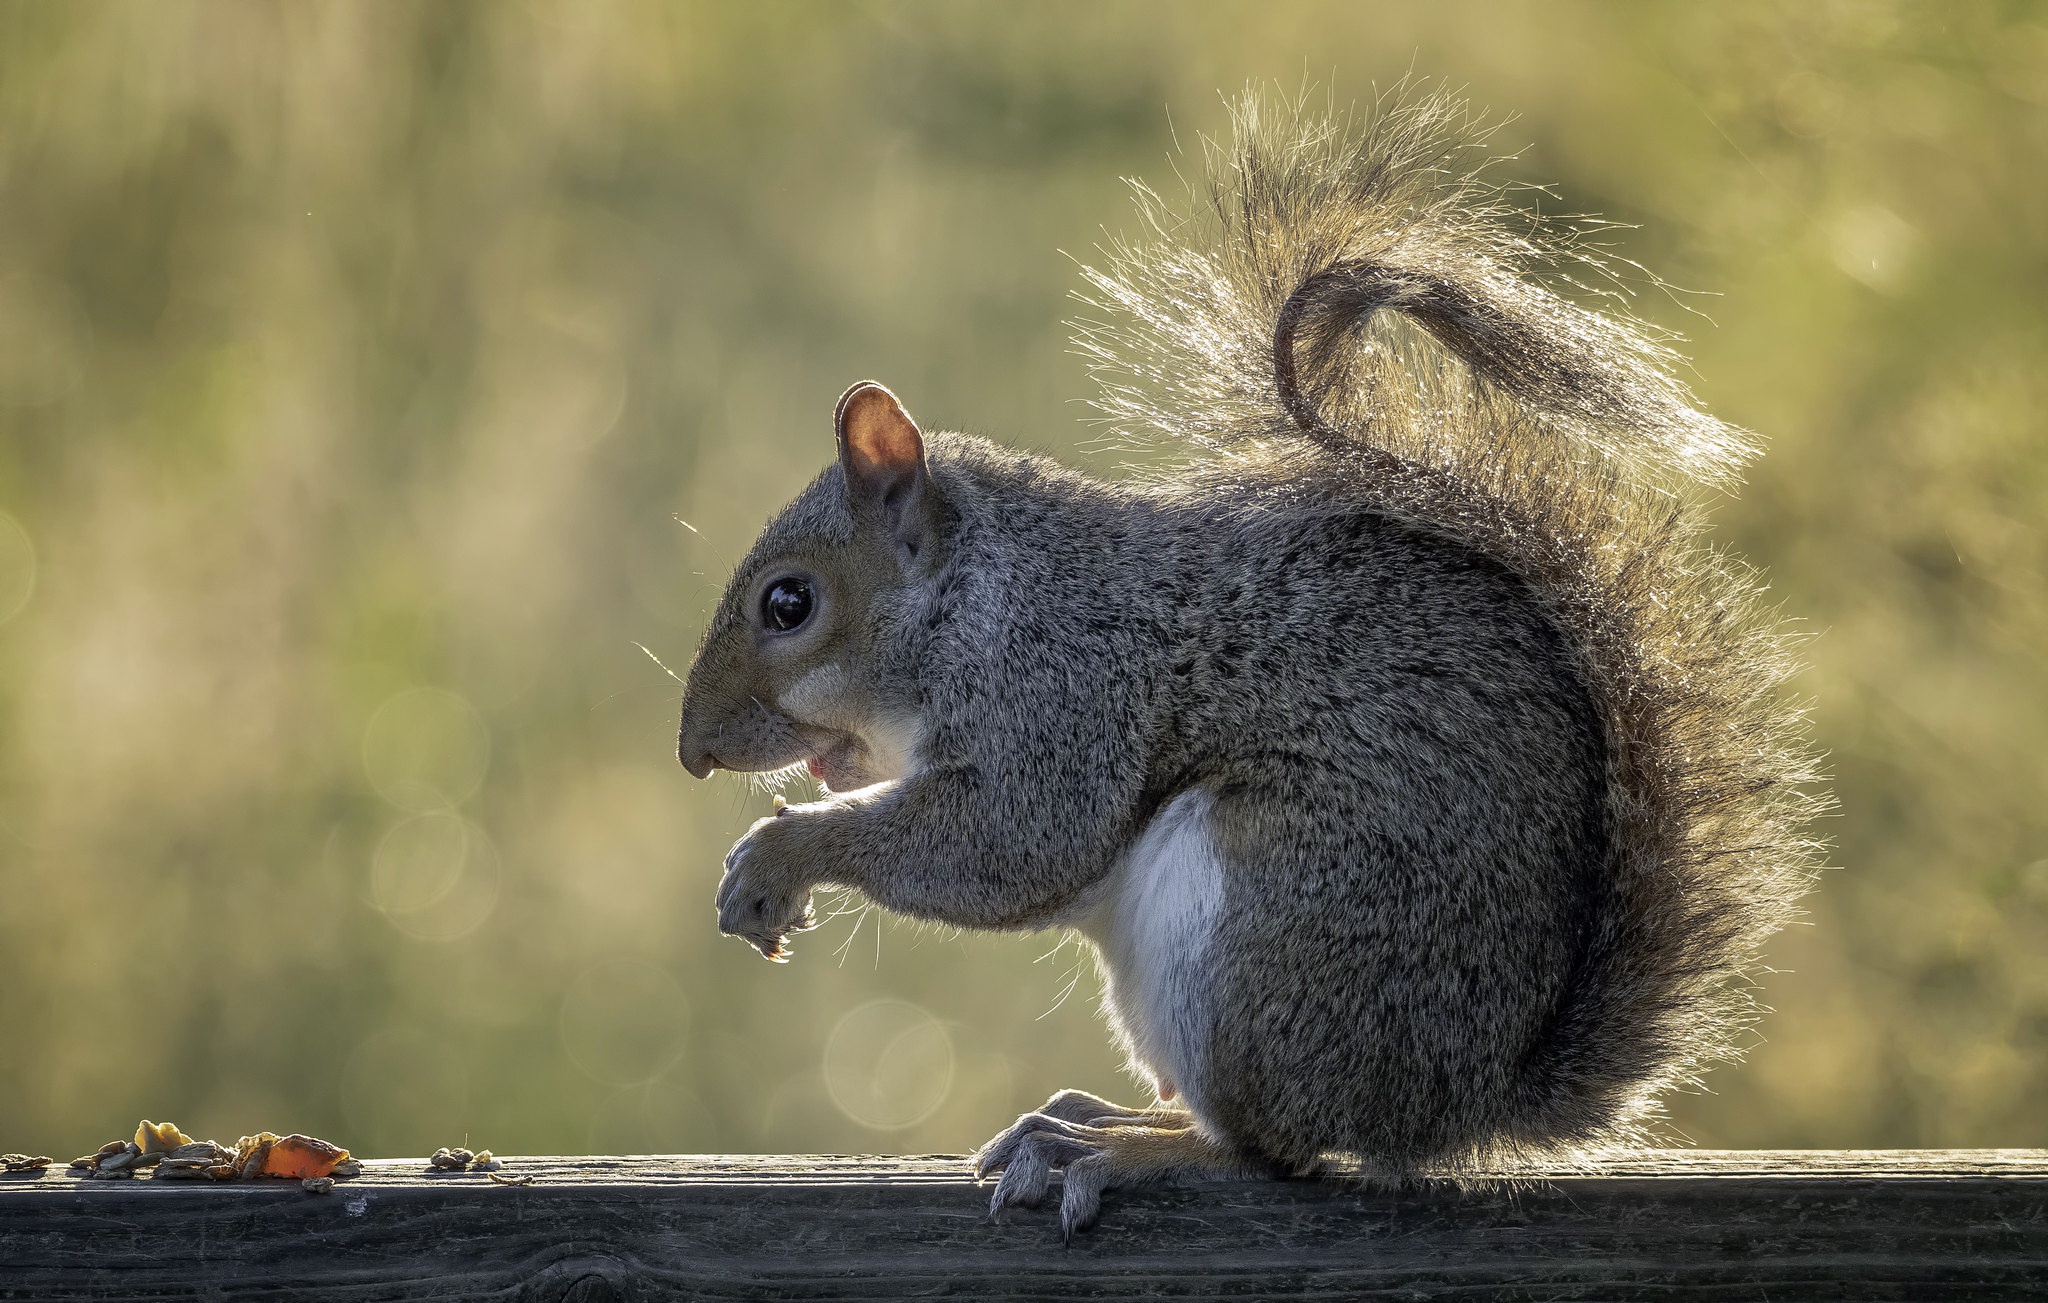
(786, 604)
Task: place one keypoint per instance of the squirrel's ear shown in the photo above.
(882, 452)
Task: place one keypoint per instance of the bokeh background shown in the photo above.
(357, 362)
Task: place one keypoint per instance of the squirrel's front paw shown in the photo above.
(765, 894)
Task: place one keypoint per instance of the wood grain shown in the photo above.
(1665, 1224)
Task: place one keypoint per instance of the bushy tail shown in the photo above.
(1244, 310)
(1354, 295)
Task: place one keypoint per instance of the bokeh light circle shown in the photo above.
(435, 876)
(426, 749)
(418, 862)
(888, 1065)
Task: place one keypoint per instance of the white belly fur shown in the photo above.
(1151, 928)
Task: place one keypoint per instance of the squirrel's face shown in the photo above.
(790, 669)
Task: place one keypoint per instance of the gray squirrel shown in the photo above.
(1420, 777)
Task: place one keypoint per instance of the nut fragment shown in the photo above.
(181, 1172)
(23, 1163)
(504, 1178)
(200, 1153)
(159, 1137)
(484, 1162)
(200, 1158)
(445, 1160)
(92, 1161)
(317, 1185)
(178, 1157)
(250, 1151)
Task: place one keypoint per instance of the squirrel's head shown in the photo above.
(795, 666)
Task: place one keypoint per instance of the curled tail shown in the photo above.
(1354, 297)
(1309, 227)
(1593, 376)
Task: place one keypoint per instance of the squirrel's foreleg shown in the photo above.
(929, 847)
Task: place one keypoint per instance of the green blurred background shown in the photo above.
(357, 360)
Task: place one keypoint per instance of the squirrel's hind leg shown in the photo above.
(1067, 1115)
(1114, 1148)
(1080, 1106)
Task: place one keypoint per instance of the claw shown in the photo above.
(1024, 1181)
(1062, 1141)
(1081, 1200)
(1098, 1145)
(995, 1155)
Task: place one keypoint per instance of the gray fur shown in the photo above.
(1501, 778)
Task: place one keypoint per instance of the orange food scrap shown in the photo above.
(301, 1157)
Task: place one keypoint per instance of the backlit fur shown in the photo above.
(1452, 764)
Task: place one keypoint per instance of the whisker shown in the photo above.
(657, 660)
(846, 946)
(1073, 980)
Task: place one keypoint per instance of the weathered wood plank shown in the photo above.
(1662, 1224)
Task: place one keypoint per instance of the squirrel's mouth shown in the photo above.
(839, 766)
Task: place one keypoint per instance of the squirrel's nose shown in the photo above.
(694, 750)
(693, 739)
(696, 757)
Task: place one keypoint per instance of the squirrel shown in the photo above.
(1422, 779)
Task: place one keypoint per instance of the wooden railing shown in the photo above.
(1667, 1224)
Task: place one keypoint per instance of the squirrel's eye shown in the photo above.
(786, 604)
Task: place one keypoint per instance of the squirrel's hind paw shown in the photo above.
(1130, 1147)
